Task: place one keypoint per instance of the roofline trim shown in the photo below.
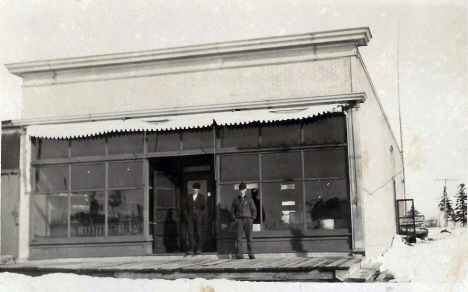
(358, 36)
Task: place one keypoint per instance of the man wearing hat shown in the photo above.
(243, 211)
(193, 211)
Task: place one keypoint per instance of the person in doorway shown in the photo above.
(243, 211)
(256, 199)
(194, 211)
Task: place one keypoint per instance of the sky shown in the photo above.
(424, 46)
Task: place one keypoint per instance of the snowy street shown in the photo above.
(436, 264)
(441, 258)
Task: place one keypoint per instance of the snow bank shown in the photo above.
(440, 259)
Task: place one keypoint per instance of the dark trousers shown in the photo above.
(194, 228)
(244, 225)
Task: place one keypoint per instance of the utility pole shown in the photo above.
(445, 201)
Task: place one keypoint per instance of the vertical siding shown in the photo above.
(377, 167)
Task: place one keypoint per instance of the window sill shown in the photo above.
(84, 240)
(293, 233)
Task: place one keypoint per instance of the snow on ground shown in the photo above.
(441, 258)
(432, 265)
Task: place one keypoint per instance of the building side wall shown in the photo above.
(376, 142)
(128, 90)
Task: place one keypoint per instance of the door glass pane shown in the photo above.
(283, 205)
(51, 178)
(125, 143)
(320, 130)
(87, 214)
(281, 134)
(90, 146)
(281, 166)
(125, 215)
(50, 215)
(325, 163)
(88, 176)
(240, 137)
(237, 168)
(327, 200)
(126, 174)
(198, 139)
(51, 148)
(166, 141)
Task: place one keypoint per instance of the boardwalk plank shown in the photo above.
(308, 262)
(295, 263)
(335, 264)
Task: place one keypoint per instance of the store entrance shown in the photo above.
(171, 180)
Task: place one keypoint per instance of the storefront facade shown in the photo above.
(281, 114)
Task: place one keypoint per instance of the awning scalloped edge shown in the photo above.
(171, 123)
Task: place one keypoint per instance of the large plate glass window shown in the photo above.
(125, 143)
(88, 176)
(51, 179)
(87, 213)
(125, 212)
(90, 146)
(50, 214)
(51, 148)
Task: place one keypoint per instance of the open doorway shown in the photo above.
(171, 180)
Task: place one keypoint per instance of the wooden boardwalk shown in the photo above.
(209, 267)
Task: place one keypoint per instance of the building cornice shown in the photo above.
(351, 99)
(356, 36)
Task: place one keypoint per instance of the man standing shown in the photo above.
(194, 210)
(243, 211)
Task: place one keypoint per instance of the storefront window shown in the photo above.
(325, 163)
(240, 137)
(327, 204)
(87, 214)
(237, 168)
(50, 214)
(281, 135)
(125, 143)
(51, 179)
(167, 141)
(322, 130)
(228, 194)
(92, 146)
(125, 174)
(88, 176)
(283, 205)
(281, 166)
(198, 139)
(51, 148)
(125, 212)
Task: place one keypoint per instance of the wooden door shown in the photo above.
(165, 214)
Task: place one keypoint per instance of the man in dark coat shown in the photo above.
(193, 211)
(243, 211)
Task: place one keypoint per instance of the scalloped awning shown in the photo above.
(85, 129)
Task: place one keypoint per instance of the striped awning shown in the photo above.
(175, 122)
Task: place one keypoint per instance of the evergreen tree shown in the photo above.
(460, 209)
(450, 211)
(415, 211)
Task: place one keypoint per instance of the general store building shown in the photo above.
(107, 146)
